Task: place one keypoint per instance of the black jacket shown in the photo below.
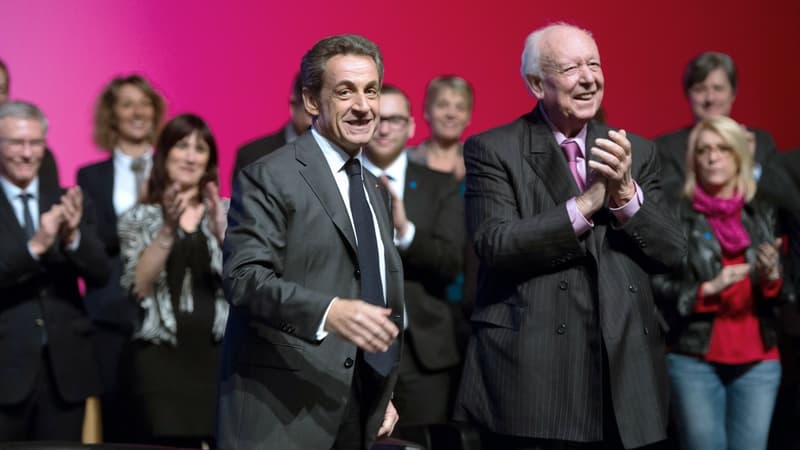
(676, 293)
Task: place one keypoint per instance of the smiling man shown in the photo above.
(312, 275)
(566, 218)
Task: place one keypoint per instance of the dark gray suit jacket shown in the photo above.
(549, 303)
(290, 248)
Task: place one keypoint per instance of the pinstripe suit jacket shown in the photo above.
(548, 302)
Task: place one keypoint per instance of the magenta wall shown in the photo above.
(232, 62)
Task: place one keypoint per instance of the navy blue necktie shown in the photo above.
(26, 215)
(368, 264)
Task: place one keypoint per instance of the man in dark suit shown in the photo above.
(299, 122)
(709, 84)
(566, 344)
(47, 366)
(48, 171)
(429, 233)
(314, 280)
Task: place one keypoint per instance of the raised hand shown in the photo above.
(366, 326)
(399, 216)
(72, 208)
(172, 207)
(768, 264)
(49, 225)
(613, 162)
(217, 222)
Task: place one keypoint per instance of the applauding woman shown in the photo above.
(171, 251)
(724, 364)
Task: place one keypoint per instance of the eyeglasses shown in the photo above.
(18, 144)
(395, 122)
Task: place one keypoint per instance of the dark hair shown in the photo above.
(175, 130)
(312, 66)
(297, 88)
(701, 65)
(105, 133)
(392, 89)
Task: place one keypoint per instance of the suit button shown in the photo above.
(357, 274)
(39, 322)
(348, 363)
(642, 244)
(562, 285)
(562, 328)
(632, 288)
(646, 331)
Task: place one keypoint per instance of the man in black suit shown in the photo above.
(314, 280)
(48, 171)
(429, 233)
(299, 122)
(710, 84)
(47, 366)
(567, 220)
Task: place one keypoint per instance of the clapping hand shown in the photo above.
(217, 222)
(72, 211)
(768, 260)
(613, 162)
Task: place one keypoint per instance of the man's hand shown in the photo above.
(72, 204)
(593, 198)
(49, 224)
(614, 164)
(390, 419)
(398, 209)
(365, 325)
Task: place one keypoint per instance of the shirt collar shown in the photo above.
(125, 161)
(580, 138)
(13, 191)
(396, 170)
(334, 155)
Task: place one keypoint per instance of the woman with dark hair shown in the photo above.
(448, 109)
(127, 116)
(170, 245)
(724, 365)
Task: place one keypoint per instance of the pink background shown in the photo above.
(232, 62)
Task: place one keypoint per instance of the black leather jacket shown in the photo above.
(676, 293)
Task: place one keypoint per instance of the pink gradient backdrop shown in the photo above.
(232, 62)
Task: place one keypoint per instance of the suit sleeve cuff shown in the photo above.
(321, 333)
(579, 223)
(626, 211)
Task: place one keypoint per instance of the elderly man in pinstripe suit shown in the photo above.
(567, 219)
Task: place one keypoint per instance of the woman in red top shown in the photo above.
(723, 365)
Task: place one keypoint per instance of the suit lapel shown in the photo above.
(7, 213)
(106, 182)
(317, 174)
(411, 193)
(545, 157)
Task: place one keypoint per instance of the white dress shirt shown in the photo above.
(125, 180)
(337, 158)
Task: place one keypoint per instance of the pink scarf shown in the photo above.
(725, 217)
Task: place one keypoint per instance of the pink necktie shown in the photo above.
(571, 151)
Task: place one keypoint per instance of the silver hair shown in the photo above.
(532, 53)
(19, 109)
